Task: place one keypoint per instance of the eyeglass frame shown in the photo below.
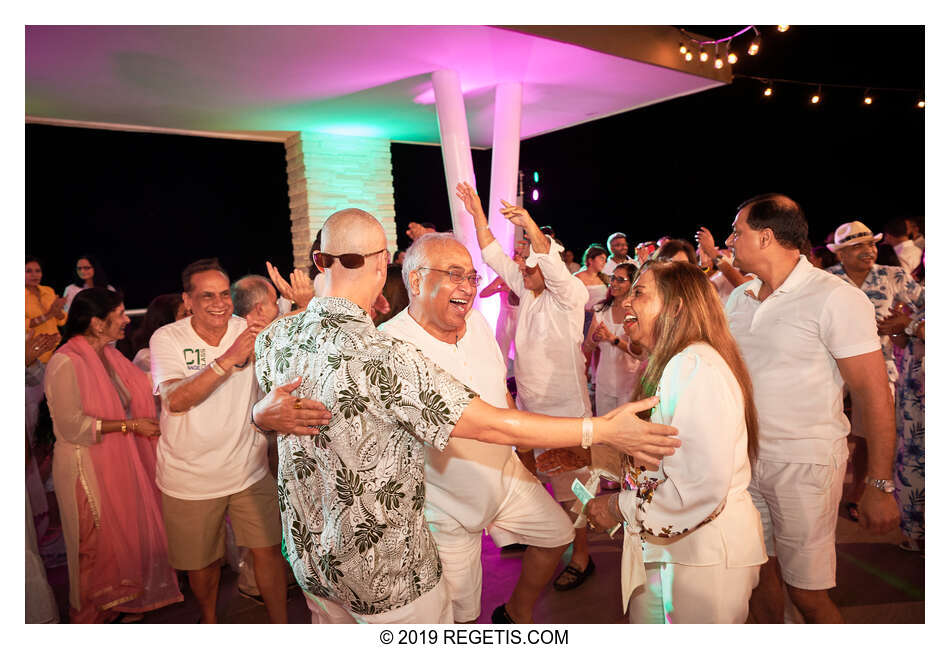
(340, 257)
(451, 273)
(620, 277)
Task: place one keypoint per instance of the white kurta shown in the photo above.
(549, 364)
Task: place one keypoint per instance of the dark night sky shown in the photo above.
(148, 204)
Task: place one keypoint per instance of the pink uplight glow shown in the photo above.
(535, 195)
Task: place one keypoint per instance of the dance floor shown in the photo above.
(877, 583)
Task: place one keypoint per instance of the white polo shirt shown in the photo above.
(211, 449)
(790, 342)
(469, 479)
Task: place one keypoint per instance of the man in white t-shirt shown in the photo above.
(473, 486)
(804, 333)
(211, 461)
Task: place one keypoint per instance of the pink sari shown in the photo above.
(127, 565)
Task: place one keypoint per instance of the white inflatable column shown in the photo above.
(506, 143)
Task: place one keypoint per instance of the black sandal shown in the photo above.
(500, 616)
(575, 577)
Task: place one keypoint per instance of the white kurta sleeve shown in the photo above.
(70, 423)
(568, 291)
(502, 264)
(691, 486)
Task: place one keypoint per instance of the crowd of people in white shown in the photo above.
(361, 428)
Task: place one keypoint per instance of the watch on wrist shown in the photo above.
(615, 342)
(885, 485)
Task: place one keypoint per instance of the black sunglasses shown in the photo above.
(347, 259)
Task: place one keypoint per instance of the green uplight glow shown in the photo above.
(351, 129)
(537, 177)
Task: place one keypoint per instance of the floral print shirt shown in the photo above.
(351, 497)
(885, 286)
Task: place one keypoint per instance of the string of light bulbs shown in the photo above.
(867, 98)
(725, 44)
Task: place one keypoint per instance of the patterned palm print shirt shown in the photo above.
(884, 286)
(351, 497)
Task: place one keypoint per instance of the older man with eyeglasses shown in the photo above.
(473, 486)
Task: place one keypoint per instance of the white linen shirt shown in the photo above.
(790, 342)
(468, 480)
(549, 364)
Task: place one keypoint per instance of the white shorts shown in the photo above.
(433, 607)
(679, 594)
(799, 508)
(527, 515)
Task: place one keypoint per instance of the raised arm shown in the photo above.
(181, 394)
(492, 252)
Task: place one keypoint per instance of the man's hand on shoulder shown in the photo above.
(281, 412)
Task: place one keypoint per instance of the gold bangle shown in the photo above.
(124, 428)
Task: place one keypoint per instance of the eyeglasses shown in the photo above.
(620, 279)
(457, 276)
(349, 260)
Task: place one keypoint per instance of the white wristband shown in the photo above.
(217, 369)
(587, 432)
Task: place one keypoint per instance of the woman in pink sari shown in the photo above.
(104, 468)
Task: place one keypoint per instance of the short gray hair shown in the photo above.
(417, 255)
(248, 292)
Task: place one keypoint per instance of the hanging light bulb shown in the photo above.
(920, 104)
(783, 28)
(815, 98)
(703, 54)
(683, 49)
(754, 45)
(718, 64)
(689, 55)
(868, 100)
(732, 58)
(768, 91)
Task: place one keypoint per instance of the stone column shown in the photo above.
(326, 173)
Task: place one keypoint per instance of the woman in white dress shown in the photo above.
(693, 539)
(621, 361)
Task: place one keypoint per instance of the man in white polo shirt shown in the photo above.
(804, 333)
(473, 486)
(211, 461)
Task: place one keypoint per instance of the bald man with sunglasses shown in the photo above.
(352, 495)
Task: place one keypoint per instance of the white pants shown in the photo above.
(434, 607)
(527, 515)
(678, 594)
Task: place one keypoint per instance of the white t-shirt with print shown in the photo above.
(210, 450)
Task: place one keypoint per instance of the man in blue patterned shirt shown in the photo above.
(893, 292)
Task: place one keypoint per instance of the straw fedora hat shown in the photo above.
(852, 233)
